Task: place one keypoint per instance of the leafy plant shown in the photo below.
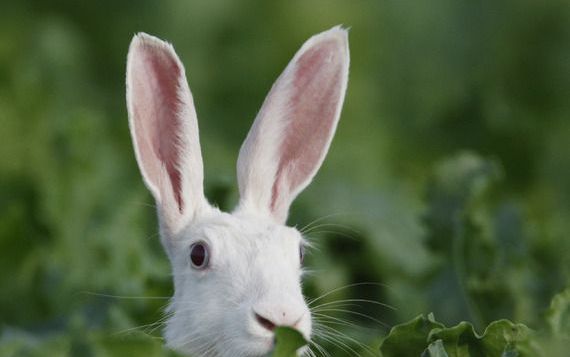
(558, 316)
(424, 336)
(287, 342)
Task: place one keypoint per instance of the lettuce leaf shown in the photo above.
(424, 336)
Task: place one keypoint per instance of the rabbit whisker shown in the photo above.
(319, 348)
(315, 308)
(334, 320)
(311, 302)
(327, 336)
(143, 327)
(320, 219)
(124, 297)
(334, 332)
(329, 231)
(339, 225)
(357, 314)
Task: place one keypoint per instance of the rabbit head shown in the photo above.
(236, 276)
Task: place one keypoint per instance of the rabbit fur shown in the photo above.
(252, 281)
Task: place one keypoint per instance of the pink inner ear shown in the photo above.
(156, 79)
(316, 92)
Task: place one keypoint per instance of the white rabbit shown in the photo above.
(236, 276)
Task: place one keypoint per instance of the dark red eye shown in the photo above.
(199, 255)
(301, 253)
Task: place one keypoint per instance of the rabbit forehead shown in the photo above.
(244, 231)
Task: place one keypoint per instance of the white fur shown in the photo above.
(254, 258)
(254, 266)
(257, 162)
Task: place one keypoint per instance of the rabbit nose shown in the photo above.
(280, 319)
(265, 322)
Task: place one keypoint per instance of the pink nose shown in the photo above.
(278, 319)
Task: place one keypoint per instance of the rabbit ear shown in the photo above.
(293, 130)
(164, 129)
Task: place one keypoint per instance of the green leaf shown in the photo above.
(501, 338)
(410, 338)
(558, 315)
(436, 349)
(287, 342)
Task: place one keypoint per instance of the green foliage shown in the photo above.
(287, 342)
(423, 336)
(446, 188)
(89, 344)
(409, 338)
(558, 316)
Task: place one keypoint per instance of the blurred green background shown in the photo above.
(446, 187)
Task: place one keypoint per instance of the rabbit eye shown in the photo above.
(199, 255)
(301, 253)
